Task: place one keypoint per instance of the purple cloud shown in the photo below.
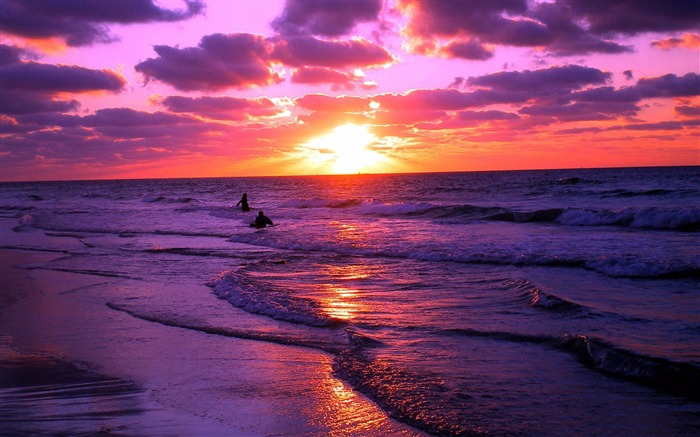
(635, 16)
(321, 17)
(219, 61)
(33, 76)
(467, 50)
(222, 108)
(245, 60)
(318, 75)
(309, 51)
(562, 27)
(553, 79)
(28, 87)
(81, 22)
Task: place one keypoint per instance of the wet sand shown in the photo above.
(70, 365)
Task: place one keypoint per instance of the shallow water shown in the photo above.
(507, 303)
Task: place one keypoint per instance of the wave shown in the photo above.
(678, 219)
(540, 299)
(682, 219)
(321, 203)
(680, 379)
(618, 267)
(277, 304)
(420, 400)
(165, 199)
(327, 345)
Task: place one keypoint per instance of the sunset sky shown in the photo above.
(145, 88)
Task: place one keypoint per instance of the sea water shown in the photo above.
(503, 303)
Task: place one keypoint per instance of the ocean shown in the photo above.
(499, 303)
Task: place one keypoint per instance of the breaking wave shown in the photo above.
(278, 304)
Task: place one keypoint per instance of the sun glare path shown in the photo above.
(345, 149)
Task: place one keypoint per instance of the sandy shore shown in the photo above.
(73, 366)
(41, 394)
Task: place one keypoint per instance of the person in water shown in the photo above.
(244, 202)
(261, 221)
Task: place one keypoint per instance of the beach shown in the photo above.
(73, 366)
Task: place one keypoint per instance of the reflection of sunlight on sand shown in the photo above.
(350, 413)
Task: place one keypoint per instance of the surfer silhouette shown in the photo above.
(261, 221)
(244, 202)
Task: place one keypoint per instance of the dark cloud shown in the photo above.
(126, 117)
(568, 36)
(309, 51)
(326, 18)
(82, 22)
(670, 85)
(636, 16)
(628, 74)
(222, 108)
(688, 110)
(245, 60)
(562, 27)
(218, 62)
(318, 75)
(34, 76)
(30, 87)
(486, 115)
(566, 78)
(18, 102)
(467, 50)
(322, 102)
(10, 55)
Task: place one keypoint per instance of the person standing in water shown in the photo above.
(244, 202)
(261, 221)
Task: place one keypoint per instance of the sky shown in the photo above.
(218, 88)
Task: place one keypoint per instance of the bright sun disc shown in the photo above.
(345, 149)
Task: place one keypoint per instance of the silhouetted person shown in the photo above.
(261, 221)
(244, 202)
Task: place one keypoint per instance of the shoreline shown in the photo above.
(72, 365)
(41, 393)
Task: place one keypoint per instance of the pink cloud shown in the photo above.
(687, 41)
(82, 22)
(219, 62)
(325, 18)
(222, 108)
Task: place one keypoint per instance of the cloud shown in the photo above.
(82, 22)
(219, 61)
(28, 87)
(562, 27)
(322, 102)
(470, 49)
(635, 16)
(554, 79)
(321, 17)
(310, 51)
(687, 41)
(243, 60)
(318, 75)
(222, 108)
(670, 85)
(18, 102)
(33, 76)
(688, 110)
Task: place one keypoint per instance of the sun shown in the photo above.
(345, 150)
